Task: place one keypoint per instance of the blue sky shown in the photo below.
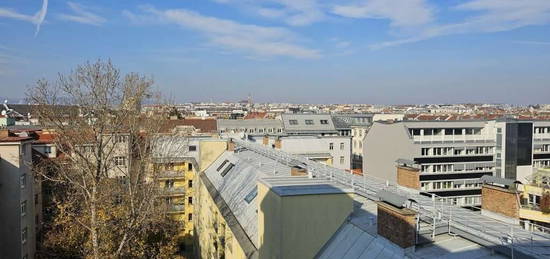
(309, 51)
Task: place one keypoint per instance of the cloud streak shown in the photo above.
(260, 41)
(401, 13)
(81, 15)
(36, 19)
(495, 16)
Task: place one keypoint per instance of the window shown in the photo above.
(193, 148)
(324, 122)
(190, 216)
(47, 149)
(120, 161)
(424, 186)
(168, 183)
(342, 160)
(309, 122)
(189, 166)
(24, 235)
(222, 165)
(425, 151)
(342, 146)
(120, 139)
(331, 146)
(293, 122)
(190, 183)
(251, 195)
(189, 200)
(23, 181)
(36, 199)
(227, 169)
(23, 208)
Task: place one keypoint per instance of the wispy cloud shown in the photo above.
(495, 16)
(81, 15)
(36, 19)
(531, 42)
(254, 40)
(400, 12)
(290, 12)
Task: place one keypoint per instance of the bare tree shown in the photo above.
(106, 196)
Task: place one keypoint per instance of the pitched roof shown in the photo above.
(203, 125)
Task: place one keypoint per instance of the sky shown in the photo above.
(296, 51)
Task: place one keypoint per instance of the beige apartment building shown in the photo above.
(17, 197)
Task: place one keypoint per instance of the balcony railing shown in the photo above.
(530, 207)
(175, 208)
(171, 174)
(173, 191)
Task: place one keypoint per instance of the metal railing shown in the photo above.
(432, 210)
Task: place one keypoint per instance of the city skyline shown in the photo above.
(476, 51)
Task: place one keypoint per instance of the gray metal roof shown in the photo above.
(292, 186)
(465, 223)
(302, 127)
(497, 180)
(240, 181)
(346, 121)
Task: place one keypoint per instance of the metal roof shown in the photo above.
(432, 209)
(301, 126)
(292, 186)
(240, 181)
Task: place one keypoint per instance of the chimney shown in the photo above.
(265, 140)
(408, 176)
(500, 203)
(4, 133)
(395, 222)
(298, 171)
(230, 145)
(278, 143)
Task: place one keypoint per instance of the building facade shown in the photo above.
(453, 155)
(17, 194)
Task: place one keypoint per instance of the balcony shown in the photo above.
(174, 191)
(176, 208)
(167, 174)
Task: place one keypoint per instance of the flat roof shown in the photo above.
(296, 185)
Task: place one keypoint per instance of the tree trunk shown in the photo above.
(93, 223)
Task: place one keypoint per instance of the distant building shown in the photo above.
(250, 126)
(451, 156)
(309, 124)
(330, 150)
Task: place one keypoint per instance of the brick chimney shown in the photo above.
(397, 224)
(298, 171)
(408, 176)
(500, 203)
(4, 133)
(230, 145)
(278, 143)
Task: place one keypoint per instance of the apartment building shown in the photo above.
(17, 194)
(330, 150)
(175, 159)
(453, 155)
(261, 203)
(344, 123)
